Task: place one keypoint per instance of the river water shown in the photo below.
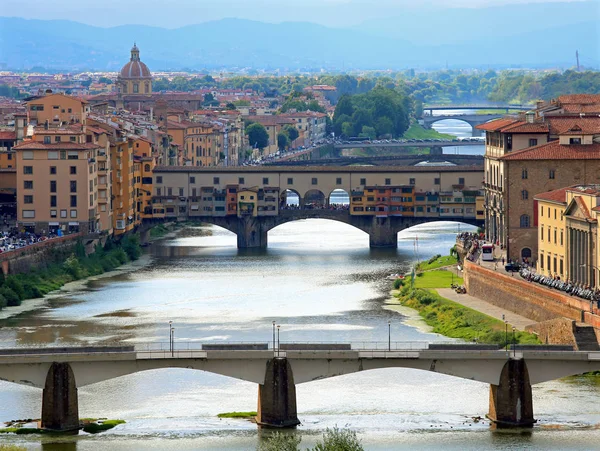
(320, 281)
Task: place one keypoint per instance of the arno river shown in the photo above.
(321, 282)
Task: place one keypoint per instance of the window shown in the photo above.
(57, 139)
(524, 222)
(63, 213)
(461, 180)
(412, 182)
(561, 243)
(548, 260)
(169, 191)
(72, 170)
(562, 269)
(314, 181)
(28, 199)
(265, 180)
(52, 186)
(63, 154)
(338, 181)
(73, 186)
(551, 174)
(53, 201)
(388, 181)
(136, 88)
(574, 140)
(532, 142)
(73, 139)
(541, 261)
(290, 181)
(555, 235)
(241, 180)
(541, 232)
(363, 181)
(47, 140)
(53, 213)
(29, 214)
(180, 192)
(524, 174)
(73, 213)
(436, 181)
(192, 180)
(52, 155)
(158, 192)
(216, 180)
(28, 184)
(27, 169)
(73, 201)
(524, 195)
(542, 212)
(159, 179)
(72, 155)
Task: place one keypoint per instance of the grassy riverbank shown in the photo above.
(450, 318)
(416, 131)
(16, 288)
(245, 415)
(89, 425)
(437, 261)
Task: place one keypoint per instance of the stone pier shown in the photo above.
(383, 234)
(511, 403)
(277, 396)
(251, 233)
(60, 410)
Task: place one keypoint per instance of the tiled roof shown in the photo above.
(557, 195)
(270, 120)
(576, 108)
(526, 127)
(584, 208)
(556, 151)
(498, 124)
(36, 145)
(8, 135)
(559, 125)
(581, 99)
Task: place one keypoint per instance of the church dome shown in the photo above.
(135, 68)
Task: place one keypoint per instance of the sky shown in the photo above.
(178, 13)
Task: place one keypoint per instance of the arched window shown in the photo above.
(524, 174)
(526, 252)
(124, 88)
(524, 221)
(147, 87)
(147, 168)
(524, 194)
(136, 88)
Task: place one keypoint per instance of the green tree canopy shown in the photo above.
(257, 135)
(282, 140)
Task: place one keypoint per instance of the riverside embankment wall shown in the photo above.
(39, 254)
(526, 298)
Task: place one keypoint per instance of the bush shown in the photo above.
(73, 267)
(398, 283)
(279, 441)
(10, 296)
(14, 284)
(434, 258)
(3, 302)
(339, 440)
(131, 245)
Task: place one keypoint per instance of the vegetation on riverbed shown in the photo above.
(58, 271)
(437, 261)
(89, 425)
(417, 131)
(12, 448)
(335, 439)
(454, 320)
(96, 426)
(237, 415)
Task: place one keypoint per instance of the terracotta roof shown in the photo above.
(135, 69)
(526, 127)
(8, 135)
(270, 120)
(576, 108)
(36, 145)
(590, 125)
(498, 124)
(581, 99)
(318, 169)
(557, 195)
(584, 208)
(556, 151)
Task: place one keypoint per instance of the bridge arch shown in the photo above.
(315, 198)
(339, 198)
(287, 199)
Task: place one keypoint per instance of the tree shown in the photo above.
(208, 98)
(105, 80)
(292, 132)
(344, 106)
(368, 132)
(282, 140)
(257, 135)
(230, 106)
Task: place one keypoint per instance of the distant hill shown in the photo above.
(496, 37)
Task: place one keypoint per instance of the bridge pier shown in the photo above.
(277, 396)
(511, 403)
(476, 131)
(382, 234)
(60, 409)
(250, 233)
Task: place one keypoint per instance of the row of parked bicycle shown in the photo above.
(568, 287)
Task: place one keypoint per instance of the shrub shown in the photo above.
(279, 441)
(14, 284)
(11, 297)
(3, 302)
(434, 258)
(131, 245)
(339, 440)
(73, 267)
(398, 283)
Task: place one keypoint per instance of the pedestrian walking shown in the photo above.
(502, 261)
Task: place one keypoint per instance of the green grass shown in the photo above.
(440, 262)
(237, 415)
(436, 279)
(159, 231)
(418, 132)
(105, 425)
(456, 321)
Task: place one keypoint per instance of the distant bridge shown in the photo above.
(278, 368)
(505, 107)
(471, 119)
(390, 160)
(422, 144)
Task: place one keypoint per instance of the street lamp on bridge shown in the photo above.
(389, 335)
(514, 342)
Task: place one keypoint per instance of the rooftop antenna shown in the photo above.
(577, 58)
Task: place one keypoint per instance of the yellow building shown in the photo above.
(568, 233)
(125, 216)
(247, 202)
(57, 110)
(135, 77)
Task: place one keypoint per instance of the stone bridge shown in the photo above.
(277, 370)
(252, 231)
(390, 160)
(471, 119)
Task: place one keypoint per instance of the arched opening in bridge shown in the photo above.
(314, 199)
(339, 199)
(290, 200)
(456, 127)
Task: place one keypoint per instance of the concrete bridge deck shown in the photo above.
(510, 373)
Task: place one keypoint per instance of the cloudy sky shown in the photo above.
(177, 13)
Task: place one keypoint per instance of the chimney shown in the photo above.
(530, 117)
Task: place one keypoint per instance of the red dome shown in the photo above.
(135, 69)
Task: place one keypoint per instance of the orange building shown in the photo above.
(57, 109)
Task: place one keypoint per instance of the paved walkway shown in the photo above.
(485, 307)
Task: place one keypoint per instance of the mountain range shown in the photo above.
(534, 35)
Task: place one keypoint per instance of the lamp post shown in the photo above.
(273, 335)
(278, 342)
(172, 342)
(389, 335)
(171, 336)
(514, 342)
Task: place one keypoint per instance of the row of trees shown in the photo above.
(379, 112)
